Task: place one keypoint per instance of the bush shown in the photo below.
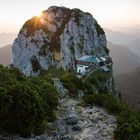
(106, 50)
(26, 104)
(42, 51)
(104, 100)
(35, 64)
(128, 124)
(72, 83)
(99, 29)
(98, 80)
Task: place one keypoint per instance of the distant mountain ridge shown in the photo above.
(129, 37)
(119, 38)
(6, 55)
(135, 46)
(7, 38)
(124, 60)
(129, 85)
(133, 30)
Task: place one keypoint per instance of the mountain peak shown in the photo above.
(57, 39)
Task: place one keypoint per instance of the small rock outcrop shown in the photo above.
(57, 38)
(59, 87)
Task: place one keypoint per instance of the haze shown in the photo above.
(109, 13)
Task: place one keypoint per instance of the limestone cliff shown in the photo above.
(57, 38)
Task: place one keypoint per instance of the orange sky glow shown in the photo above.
(109, 13)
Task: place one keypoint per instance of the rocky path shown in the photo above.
(83, 123)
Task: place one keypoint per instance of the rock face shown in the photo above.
(57, 38)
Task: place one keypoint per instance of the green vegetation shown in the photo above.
(99, 29)
(97, 80)
(42, 51)
(104, 100)
(35, 64)
(68, 78)
(128, 120)
(106, 50)
(72, 83)
(72, 49)
(26, 104)
(77, 18)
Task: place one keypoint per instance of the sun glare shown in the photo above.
(39, 15)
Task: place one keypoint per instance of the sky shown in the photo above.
(111, 14)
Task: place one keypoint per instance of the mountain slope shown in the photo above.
(128, 37)
(133, 30)
(124, 60)
(135, 46)
(119, 38)
(6, 55)
(129, 85)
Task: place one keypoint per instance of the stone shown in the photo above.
(76, 128)
(66, 138)
(72, 120)
(59, 87)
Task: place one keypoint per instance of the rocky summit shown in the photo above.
(57, 39)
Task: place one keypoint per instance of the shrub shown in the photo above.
(104, 100)
(35, 64)
(71, 82)
(99, 29)
(42, 51)
(128, 124)
(97, 79)
(106, 50)
(26, 104)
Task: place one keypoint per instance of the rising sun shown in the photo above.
(39, 15)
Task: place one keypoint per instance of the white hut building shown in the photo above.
(88, 63)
